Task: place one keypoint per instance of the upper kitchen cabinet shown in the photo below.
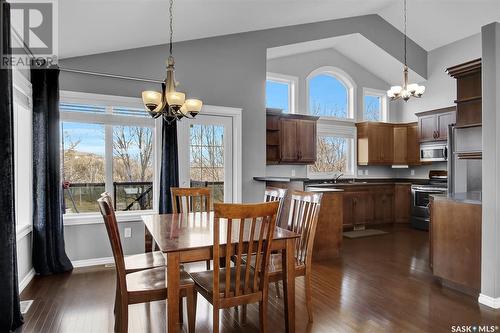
(469, 97)
(433, 125)
(375, 143)
(291, 138)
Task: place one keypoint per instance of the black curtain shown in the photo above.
(49, 256)
(169, 176)
(10, 313)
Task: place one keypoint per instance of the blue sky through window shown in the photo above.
(372, 108)
(328, 97)
(277, 95)
(89, 138)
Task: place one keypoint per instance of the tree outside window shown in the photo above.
(332, 155)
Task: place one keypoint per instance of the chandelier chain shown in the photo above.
(171, 25)
(405, 29)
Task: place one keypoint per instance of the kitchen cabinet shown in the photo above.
(383, 206)
(375, 143)
(388, 144)
(433, 125)
(290, 138)
(402, 203)
(358, 208)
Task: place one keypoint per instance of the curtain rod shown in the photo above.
(115, 76)
(80, 71)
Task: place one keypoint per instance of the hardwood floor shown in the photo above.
(381, 284)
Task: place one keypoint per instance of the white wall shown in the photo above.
(440, 88)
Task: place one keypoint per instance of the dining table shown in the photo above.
(188, 237)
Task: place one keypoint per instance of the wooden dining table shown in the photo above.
(188, 237)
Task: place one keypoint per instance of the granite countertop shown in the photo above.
(344, 181)
(280, 179)
(464, 197)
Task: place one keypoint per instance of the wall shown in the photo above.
(225, 71)
(440, 88)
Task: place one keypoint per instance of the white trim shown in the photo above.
(27, 279)
(92, 262)
(23, 231)
(100, 99)
(96, 218)
(293, 86)
(346, 80)
(384, 102)
(489, 301)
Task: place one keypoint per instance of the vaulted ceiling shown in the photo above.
(96, 26)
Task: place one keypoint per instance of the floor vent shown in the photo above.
(25, 306)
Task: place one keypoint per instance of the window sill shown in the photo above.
(96, 218)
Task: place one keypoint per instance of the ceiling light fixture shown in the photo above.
(407, 90)
(170, 104)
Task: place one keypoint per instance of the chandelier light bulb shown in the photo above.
(175, 99)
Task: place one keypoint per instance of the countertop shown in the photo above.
(343, 182)
(280, 179)
(465, 197)
(323, 189)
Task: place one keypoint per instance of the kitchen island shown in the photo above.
(455, 240)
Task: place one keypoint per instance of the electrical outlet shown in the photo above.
(293, 172)
(412, 172)
(127, 232)
(360, 172)
(366, 172)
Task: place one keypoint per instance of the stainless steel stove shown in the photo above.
(438, 184)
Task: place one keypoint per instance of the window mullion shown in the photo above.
(108, 157)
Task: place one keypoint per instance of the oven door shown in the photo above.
(420, 201)
(433, 153)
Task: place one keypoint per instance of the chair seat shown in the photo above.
(205, 280)
(276, 264)
(154, 278)
(142, 261)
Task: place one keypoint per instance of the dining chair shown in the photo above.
(141, 286)
(191, 200)
(137, 262)
(275, 194)
(229, 286)
(302, 219)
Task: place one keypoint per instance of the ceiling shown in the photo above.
(95, 26)
(357, 48)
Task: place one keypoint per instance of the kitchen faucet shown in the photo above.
(337, 177)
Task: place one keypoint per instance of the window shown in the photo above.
(335, 152)
(331, 94)
(107, 146)
(280, 92)
(374, 105)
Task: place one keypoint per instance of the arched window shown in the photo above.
(331, 93)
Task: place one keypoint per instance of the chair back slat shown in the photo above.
(108, 214)
(242, 222)
(276, 194)
(191, 199)
(303, 219)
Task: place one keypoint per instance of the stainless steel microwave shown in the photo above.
(433, 152)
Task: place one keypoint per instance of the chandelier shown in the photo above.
(407, 90)
(172, 105)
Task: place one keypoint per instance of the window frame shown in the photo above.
(293, 83)
(343, 78)
(384, 103)
(108, 120)
(337, 129)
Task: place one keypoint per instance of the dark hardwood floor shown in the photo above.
(381, 284)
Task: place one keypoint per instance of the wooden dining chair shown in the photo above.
(191, 200)
(275, 194)
(228, 286)
(137, 262)
(142, 286)
(302, 219)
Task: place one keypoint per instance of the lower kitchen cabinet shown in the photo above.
(376, 204)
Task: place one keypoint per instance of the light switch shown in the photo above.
(128, 232)
(412, 172)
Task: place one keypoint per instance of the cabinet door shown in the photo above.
(348, 208)
(307, 140)
(443, 120)
(400, 145)
(289, 140)
(363, 208)
(413, 146)
(383, 206)
(386, 144)
(427, 128)
(402, 203)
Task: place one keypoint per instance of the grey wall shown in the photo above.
(490, 271)
(226, 71)
(440, 87)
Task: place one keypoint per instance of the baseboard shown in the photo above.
(489, 301)
(26, 280)
(92, 262)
